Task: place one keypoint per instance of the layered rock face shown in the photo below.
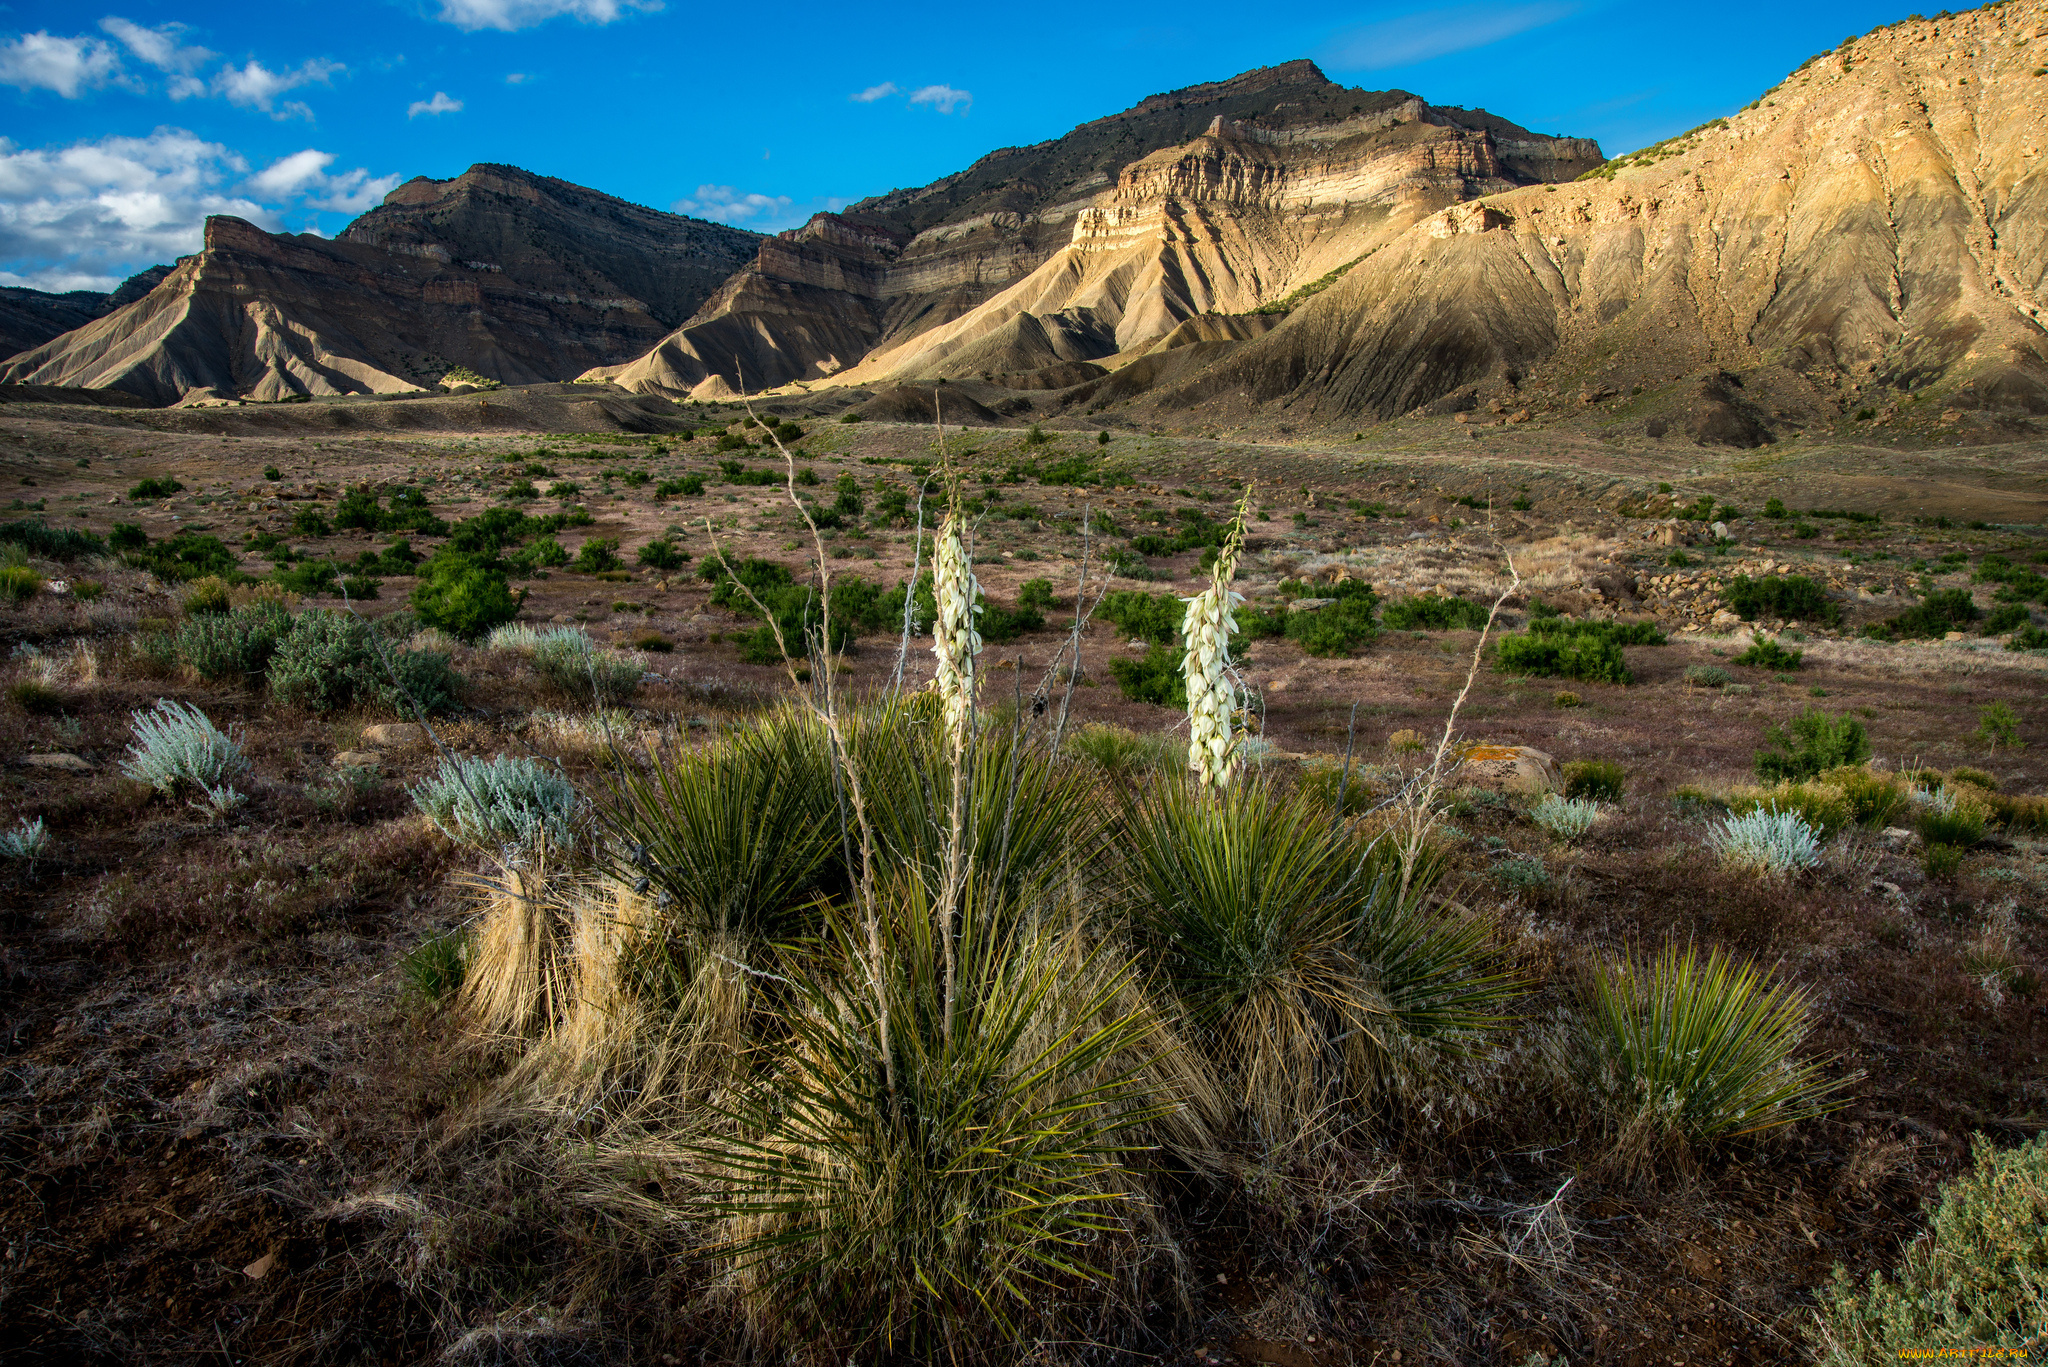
(1877, 223)
(29, 318)
(518, 277)
(1255, 171)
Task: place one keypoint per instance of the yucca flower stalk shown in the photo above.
(1207, 628)
(954, 640)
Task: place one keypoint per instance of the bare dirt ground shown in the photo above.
(217, 1089)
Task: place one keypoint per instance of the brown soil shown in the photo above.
(216, 1078)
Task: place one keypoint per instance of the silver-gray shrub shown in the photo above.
(1567, 818)
(495, 804)
(573, 665)
(1766, 842)
(177, 743)
(26, 841)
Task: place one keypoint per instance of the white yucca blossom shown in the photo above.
(1766, 842)
(954, 640)
(1206, 631)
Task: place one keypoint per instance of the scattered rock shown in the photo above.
(260, 1269)
(62, 763)
(356, 759)
(395, 735)
(1518, 768)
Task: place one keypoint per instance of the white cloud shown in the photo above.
(36, 61)
(159, 47)
(107, 208)
(508, 16)
(305, 174)
(440, 104)
(256, 86)
(1412, 38)
(874, 92)
(90, 214)
(943, 98)
(518, 77)
(723, 204)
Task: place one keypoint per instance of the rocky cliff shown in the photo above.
(1873, 228)
(1266, 166)
(29, 318)
(519, 277)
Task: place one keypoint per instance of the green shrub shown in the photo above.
(328, 660)
(1124, 754)
(598, 554)
(434, 969)
(998, 625)
(1590, 658)
(1035, 593)
(1953, 817)
(126, 536)
(574, 666)
(1974, 1278)
(1941, 862)
(1338, 628)
(1434, 612)
(1791, 596)
(186, 556)
(1825, 808)
(1768, 654)
(233, 646)
(460, 595)
(662, 554)
(1154, 678)
(1998, 724)
(1619, 633)
(1874, 799)
(2011, 617)
(1812, 743)
(1936, 615)
(689, 486)
(52, 543)
(1599, 779)
(1706, 676)
(155, 487)
(1154, 617)
(2029, 638)
(539, 553)
(1700, 1050)
(307, 578)
(19, 583)
(35, 697)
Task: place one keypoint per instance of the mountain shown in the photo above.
(521, 278)
(29, 318)
(1871, 232)
(1226, 195)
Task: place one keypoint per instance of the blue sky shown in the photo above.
(123, 123)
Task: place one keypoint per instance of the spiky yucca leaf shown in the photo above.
(1703, 1048)
(990, 1182)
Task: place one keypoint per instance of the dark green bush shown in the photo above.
(54, 543)
(1035, 593)
(126, 536)
(1790, 596)
(328, 660)
(233, 646)
(1619, 633)
(186, 556)
(997, 624)
(1557, 655)
(1812, 743)
(598, 554)
(2011, 617)
(1936, 615)
(689, 486)
(662, 554)
(1768, 654)
(310, 522)
(1599, 779)
(1337, 628)
(155, 487)
(1155, 677)
(462, 595)
(2029, 638)
(309, 577)
(1154, 617)
(539, 553)
(1434, 612)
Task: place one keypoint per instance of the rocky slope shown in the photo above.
(519, 277)
(29, 318)
(1220, 195)
(1872, 230)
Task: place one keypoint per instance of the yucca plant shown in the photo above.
(1700, 1049)
(1297, 959)
(942, 1199)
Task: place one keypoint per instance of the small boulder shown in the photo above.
(61, 763)
(356, 759)
(1511, 768)
(395, 735)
